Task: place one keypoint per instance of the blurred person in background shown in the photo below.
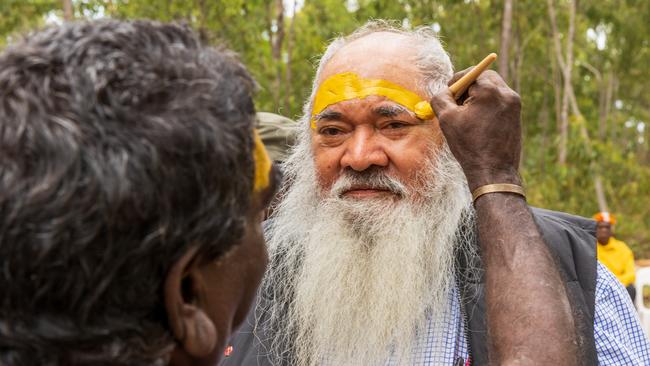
(614, 253)
(278, 133)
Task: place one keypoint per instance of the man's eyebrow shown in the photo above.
(393, 110)
(328, 115)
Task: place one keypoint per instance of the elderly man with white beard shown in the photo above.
(379, 253)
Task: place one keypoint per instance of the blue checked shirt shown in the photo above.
(619, 337)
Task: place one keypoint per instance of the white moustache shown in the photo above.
(367, 179)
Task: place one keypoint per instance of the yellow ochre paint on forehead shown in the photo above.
(348, 85)
(262, 164)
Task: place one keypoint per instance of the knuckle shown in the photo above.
(491, 74)
(507, 95)
(488, 88)
(512, 98)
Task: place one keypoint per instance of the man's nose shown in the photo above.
(364, 150)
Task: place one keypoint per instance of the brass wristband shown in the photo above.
(498, 187)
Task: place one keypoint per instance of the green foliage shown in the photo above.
(20, 15)
(617, 149)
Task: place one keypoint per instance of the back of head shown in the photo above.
(121, 144)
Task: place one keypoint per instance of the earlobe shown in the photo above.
(190, 325)
(200, 334)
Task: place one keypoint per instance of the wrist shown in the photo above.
(492, 176)
(498, 188)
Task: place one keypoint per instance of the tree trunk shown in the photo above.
(560, 102)
(506, 33)
(609, 96)
(276, 51)
(203, 11)
(110, 8)
(515, 64)
(584, 133)
(68, 13)
(557, 89)
(569, 99)
(566, 68)
(288, 90)
(544, 119)
(600, 194)
(602, 108)
(613, 131)
(602, 98)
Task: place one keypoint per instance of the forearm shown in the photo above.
(529, 316)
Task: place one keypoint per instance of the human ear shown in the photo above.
(191, 327)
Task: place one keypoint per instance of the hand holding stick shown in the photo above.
(460, 87)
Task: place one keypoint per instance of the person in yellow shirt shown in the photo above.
(613, 253)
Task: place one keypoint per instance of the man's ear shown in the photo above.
(193, 330)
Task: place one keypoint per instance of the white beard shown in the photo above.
(352, 281)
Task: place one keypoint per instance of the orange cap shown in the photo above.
(605, 217)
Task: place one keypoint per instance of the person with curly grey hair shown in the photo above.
(132, 187)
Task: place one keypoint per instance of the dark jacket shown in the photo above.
(571, 240)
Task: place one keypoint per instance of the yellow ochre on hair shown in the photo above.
(348, 85)
(262, 164)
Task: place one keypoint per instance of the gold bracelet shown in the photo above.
(499, 187)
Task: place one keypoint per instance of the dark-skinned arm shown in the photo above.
(529, 317)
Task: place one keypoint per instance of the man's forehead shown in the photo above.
(382, 55)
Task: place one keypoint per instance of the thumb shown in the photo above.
(443, 102)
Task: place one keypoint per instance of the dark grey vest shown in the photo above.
(571, 240)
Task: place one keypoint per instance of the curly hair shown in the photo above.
(122, 144)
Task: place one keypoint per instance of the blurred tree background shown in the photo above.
(580, 67)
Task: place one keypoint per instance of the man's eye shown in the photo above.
(396, 125)
(330, 131)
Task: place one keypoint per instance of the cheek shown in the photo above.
(257, 259)
(408, 158)
(253, 264)
(327, 165)
(260, 260)
(435, 136)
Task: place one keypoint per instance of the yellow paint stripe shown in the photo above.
(262, 164)
(348, 85)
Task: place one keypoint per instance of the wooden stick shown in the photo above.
(460, 86)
